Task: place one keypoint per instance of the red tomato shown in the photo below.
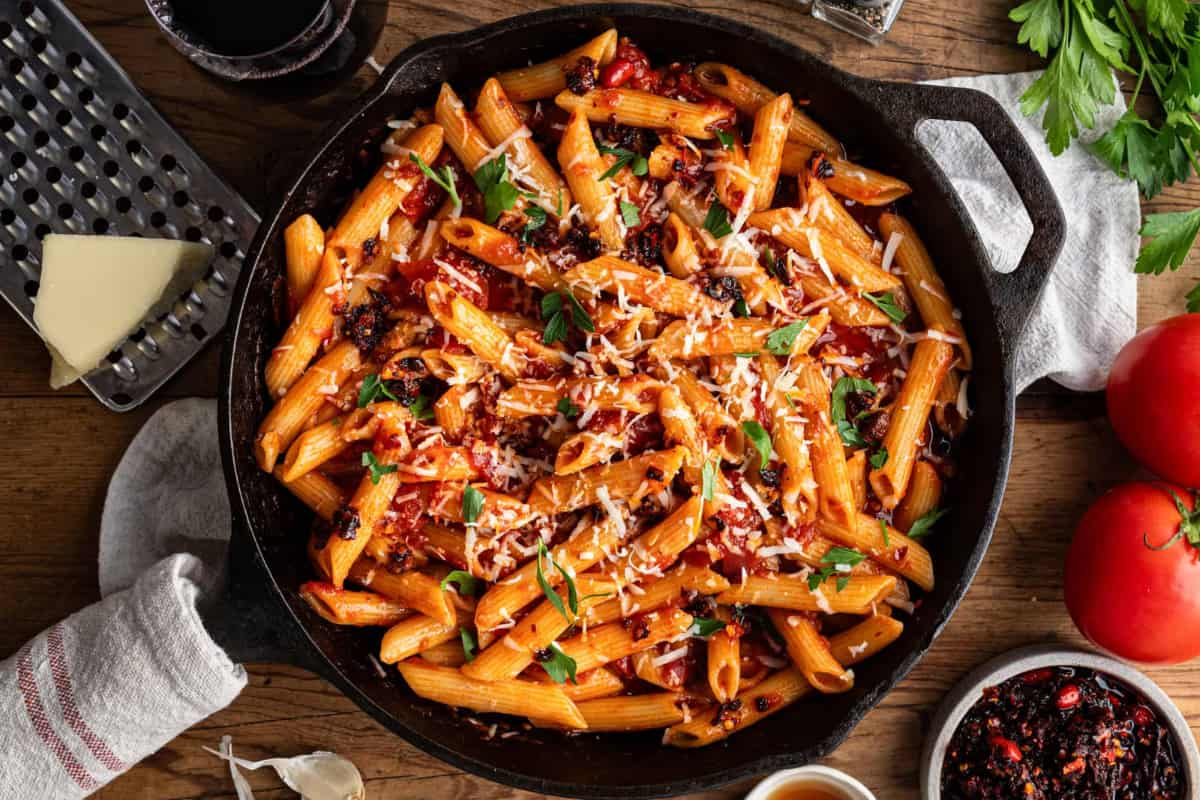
(1154, 398)
(1136, 601)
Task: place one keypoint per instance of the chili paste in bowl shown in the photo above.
(1062, 732)
(1047, 723)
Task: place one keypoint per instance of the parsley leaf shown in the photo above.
(444, 179)
(716, 221)
(886, 303)
(726, 139)
(556, 329)
(567, 408)
(705, 627)
(747, 354)
(1042, 27)
(887, 540)
(377, 470)
(708, 478)
(923, 526)
(630, 215)
(579, 316)
(421, 408)
(559, 313)
(372, 388)
(561, 666)
(1171, 237)
(537, 218)
(845, 428)
(464, 582)
(740, 309)
(637, 164)
(780, 341)
(548, 590)
(472, 504)
(499, 194)
(470, 647)
(840, 560)
(760, 439)
(879, 458)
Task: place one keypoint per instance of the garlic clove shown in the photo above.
(316, 776)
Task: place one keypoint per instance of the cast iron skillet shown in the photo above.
(264, 619)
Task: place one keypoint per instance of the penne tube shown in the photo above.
(594, 683)
(310, 327)
(316, 491)
(343, 607)
(583, 167)
(630, 480)
(924, 284)
(765, 698)
(732, 181)
(852, 181)
(679, 248)
(810, 652)
(501, 512)
(313, 448)
(686, 340)
(860, 642)
(771, 122)
(440, 463)
(843, 308)
(797, 486)
(659, 547)
(587, 547)
(462, 135)
(519, 698)
(645, 110)
(725, 659)
(923, 496)
(636, 394)
(790, 226)
(930, 361)
(585, 450)
(827, 212)
(303, 244)
(835, 493)
(658, 593)
(411, 589)
(501, 251)
(415, 635)
(548, 78)
(748, 96)
(600, 645)
(502, 125)
(887, 546)
(475, 329)
(447, 654)
(721, 431)
(858, 595)
(646, 287)
(637, 713)
(292, 412)
(856, 468)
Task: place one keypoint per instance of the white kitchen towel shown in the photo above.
(111, 684)
(1089, 308)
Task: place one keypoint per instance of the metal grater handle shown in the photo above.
(85, 152)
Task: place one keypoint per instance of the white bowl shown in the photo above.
(825, 777)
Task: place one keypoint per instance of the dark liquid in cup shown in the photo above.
(245, 27)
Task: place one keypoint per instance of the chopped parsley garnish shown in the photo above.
(567, 408)
(845, 427)
(499, 193)
(372, 388)
(637, 164)
(557, 317)
(537, 218)
(747, 354)
(780, 341)
(705, 627)
(716, 221)
(879, 458)
(468, 643)
(740, 309)
(775, 267)
(726, 139)
(444, 178)
(923, 526)
(887, 540)
(560, 666)
(630, 215)
(760, 439)
(472, 504)
(840, 560)
(421, 408)
(548, 590)
(708, 479)
(377, 470)
(464, 582)
(886, 303)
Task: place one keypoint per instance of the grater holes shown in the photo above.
(38, 44)
(63, 117)
(17, 159)
(19, 252)
(86, 95)
(99, 132)
(87, 190)
(30, 196)
(29, 102)
(51, 81)
(158, 219)
(111, 168)
(121, 399)
(7, 123)
(6, 30)
(133, 147)
(15, 65)
(7, 216)
(40, 140)
(27, 8)
(75, 153)
(216, 213)
(167, 162)
(31, 289)
(41, 231)
(145, 183)
(120, 111)
(123, 204)
(74, 60)
(66, 210)
(180, 198)
(193, 234)
(53, 174)
(114, 356)
(228, 249)
(198, 331)
(99, 225)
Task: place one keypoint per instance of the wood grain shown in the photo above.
(60, 448)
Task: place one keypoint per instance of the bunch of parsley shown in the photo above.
(1157, 42)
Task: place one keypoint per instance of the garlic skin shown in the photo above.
(315, 776)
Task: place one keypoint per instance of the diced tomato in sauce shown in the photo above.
(630, 67)
(879, 367)
(483, 458)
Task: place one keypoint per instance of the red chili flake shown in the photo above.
(1067, 697)
(1006, 747)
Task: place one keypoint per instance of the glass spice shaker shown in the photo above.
(867, 19)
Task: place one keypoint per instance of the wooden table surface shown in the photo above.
(60, 448)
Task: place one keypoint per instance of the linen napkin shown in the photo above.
(111, 684)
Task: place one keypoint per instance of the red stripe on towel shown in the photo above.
(41, 724)
(66, 699)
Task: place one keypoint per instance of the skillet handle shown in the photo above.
(249, 620)
(1014, 294)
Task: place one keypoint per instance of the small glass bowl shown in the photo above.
(866, 19)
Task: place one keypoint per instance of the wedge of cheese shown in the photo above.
(96, 290)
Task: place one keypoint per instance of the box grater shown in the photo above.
(82, 151)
